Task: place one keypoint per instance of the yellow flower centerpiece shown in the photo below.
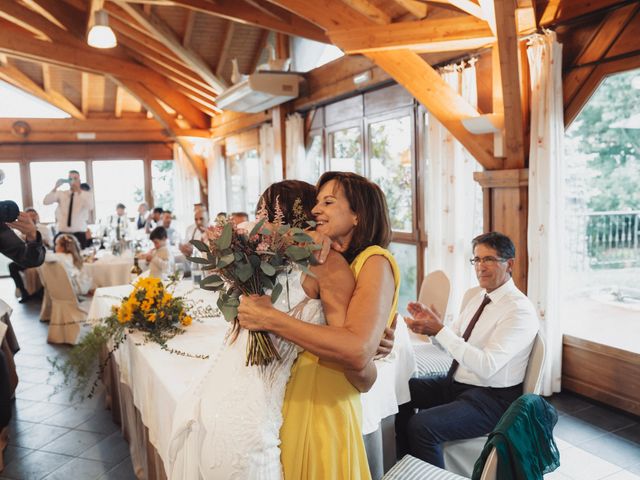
(150, 308)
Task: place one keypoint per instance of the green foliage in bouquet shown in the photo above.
(249, 262)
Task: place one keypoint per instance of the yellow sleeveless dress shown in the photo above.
(321, 434)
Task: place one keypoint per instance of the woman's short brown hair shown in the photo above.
(288, 192)
(369, 204)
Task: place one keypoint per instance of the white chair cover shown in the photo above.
(66, 313)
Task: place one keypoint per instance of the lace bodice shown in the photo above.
(239, 412)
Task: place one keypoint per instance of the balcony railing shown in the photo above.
(603, 240)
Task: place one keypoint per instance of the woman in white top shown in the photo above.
(67, 252)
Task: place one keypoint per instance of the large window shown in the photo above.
(162, 172)
(390, 157)
(315, 157)
(117, 181)
(346, 150)
(602, 216)
(11, 188)
(406, 256)
(243, 180)
(43, 179)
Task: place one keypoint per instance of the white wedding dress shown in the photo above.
(228, 423)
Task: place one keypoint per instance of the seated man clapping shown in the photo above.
(490, 343)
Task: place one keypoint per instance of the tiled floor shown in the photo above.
(53, 438)
(595, 442)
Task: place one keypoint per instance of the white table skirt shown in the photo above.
(158, 379)
(110, 271)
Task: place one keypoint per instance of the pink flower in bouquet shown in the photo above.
(213, 233)
(262, 247)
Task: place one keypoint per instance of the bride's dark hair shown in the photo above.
(296, 199)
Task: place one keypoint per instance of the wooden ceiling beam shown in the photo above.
(163, 32)
(16, 77)
(558, 11)
(224, 48)
(188, 28)
(262, 43)
(29, 20)
(415, 8)
(63, 14)
(420, 36)
(82, 57)
(328, 14)
(84, 93)
(426, 85)
(371, 11)
(510, 75)
(467, 6)
(242, 12)
(119, 100)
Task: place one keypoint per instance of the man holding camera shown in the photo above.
(73, 209)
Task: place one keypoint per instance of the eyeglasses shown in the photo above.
(487, 260)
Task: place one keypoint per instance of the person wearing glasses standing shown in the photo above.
(74, 207)
(490, 343)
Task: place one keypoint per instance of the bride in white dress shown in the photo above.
(228, 422)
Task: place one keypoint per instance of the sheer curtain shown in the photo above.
(297, 167)
(270, 166)
(546, 198)
(185, 187)
(216, 184)
(454, 207)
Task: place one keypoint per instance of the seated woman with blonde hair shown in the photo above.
(67, 252)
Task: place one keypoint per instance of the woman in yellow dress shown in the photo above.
(321, 436)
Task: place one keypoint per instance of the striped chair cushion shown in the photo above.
(411, 468)
(431, 360)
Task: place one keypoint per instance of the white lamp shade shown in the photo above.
(101, 35)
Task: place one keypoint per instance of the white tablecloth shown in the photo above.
(158, 379)
(110, 270)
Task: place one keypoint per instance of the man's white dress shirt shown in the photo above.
(82, 205)
(498, 349)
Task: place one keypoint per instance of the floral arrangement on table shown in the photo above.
(151, 308)
(249, 261)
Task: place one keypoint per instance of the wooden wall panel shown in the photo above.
(601, 372)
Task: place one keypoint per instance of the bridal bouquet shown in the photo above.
(246, 262)
(150, 308)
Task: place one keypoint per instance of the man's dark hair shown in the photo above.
(498, 241)
(158, 210)
(240, 214)
(74, 171)
(158, 233)
(121, 205)
(85, 186)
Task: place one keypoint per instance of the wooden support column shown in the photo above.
(505, 210)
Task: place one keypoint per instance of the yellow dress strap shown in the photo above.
(359, 261)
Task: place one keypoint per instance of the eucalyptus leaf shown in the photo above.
(312, 223)
(200, 245)
(225, 238)
(306, 270)
(225, 260)
(297, 253)
(283, 229)
(211, 288)
(255, 261)
(302, 238)
(230, 313)
(295, 231)
(265, 231)
(275, 293)
(257, 227)
(212, 280)
(232, 302)
(201, 261)
(267, 268)
(244, 271)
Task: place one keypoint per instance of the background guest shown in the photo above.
(154, 220)
(141, 219)
(159, 258)
(74, 207)
(238, 217)
(172, 233)
(67, 252)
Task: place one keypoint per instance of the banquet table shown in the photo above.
(146, 383)
(109, 270)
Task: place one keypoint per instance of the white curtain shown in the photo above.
(270, 164)
(546, 198)
(297, 167)
(186, 189)
(454, 205)
(216, 182)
